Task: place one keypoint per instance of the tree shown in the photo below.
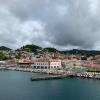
(3, 56)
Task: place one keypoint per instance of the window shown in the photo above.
(34, 66)
(45, 67)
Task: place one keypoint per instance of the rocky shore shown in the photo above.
(63, 73)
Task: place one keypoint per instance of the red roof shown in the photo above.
(24, 61)
(38, 60)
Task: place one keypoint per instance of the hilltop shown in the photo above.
(30, 48)
(82, 52)
(4, 48)
(35, 48)
(49, 49)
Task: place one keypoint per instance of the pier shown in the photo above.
(72, 75)
(47, 78)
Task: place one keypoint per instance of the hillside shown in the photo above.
(31, 48)
(4, 48)
(35, 48)
(51, 50)
(82, 52)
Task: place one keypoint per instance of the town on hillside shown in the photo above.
(49, 60)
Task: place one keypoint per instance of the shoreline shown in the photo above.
(60, 73)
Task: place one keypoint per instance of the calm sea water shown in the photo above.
(17, 86)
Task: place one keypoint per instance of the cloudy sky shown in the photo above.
(64, 24)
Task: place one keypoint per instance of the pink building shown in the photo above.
(92, 64)
(55, 64)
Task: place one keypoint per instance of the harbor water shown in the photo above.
(17, 86)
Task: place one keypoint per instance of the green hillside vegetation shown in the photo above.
(4, 48)
(35, 48)
(3, 56)
(31, 48)
(51, 50)
(82, 52)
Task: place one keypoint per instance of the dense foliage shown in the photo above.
(31, 48)
(87, 53)
(82, 52)
(35, 49)
(3, 56)
(50, 50)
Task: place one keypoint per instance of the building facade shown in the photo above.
(41, 63)
(55, 64)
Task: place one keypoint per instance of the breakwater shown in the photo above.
(60, 74)
(54, 77)
(46, 78)
(87, 75)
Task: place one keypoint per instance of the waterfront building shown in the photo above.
(24, 63)
(2, 63)
(40, 63)
(91, 64)
(73, 63)
(46, 64)
(55, 64)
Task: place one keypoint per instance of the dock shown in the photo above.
(47, 78)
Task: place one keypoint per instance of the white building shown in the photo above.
(55, 64)
(40, 64)
(2, 62)
(46, 64)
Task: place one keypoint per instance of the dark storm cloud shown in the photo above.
(58, 23)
